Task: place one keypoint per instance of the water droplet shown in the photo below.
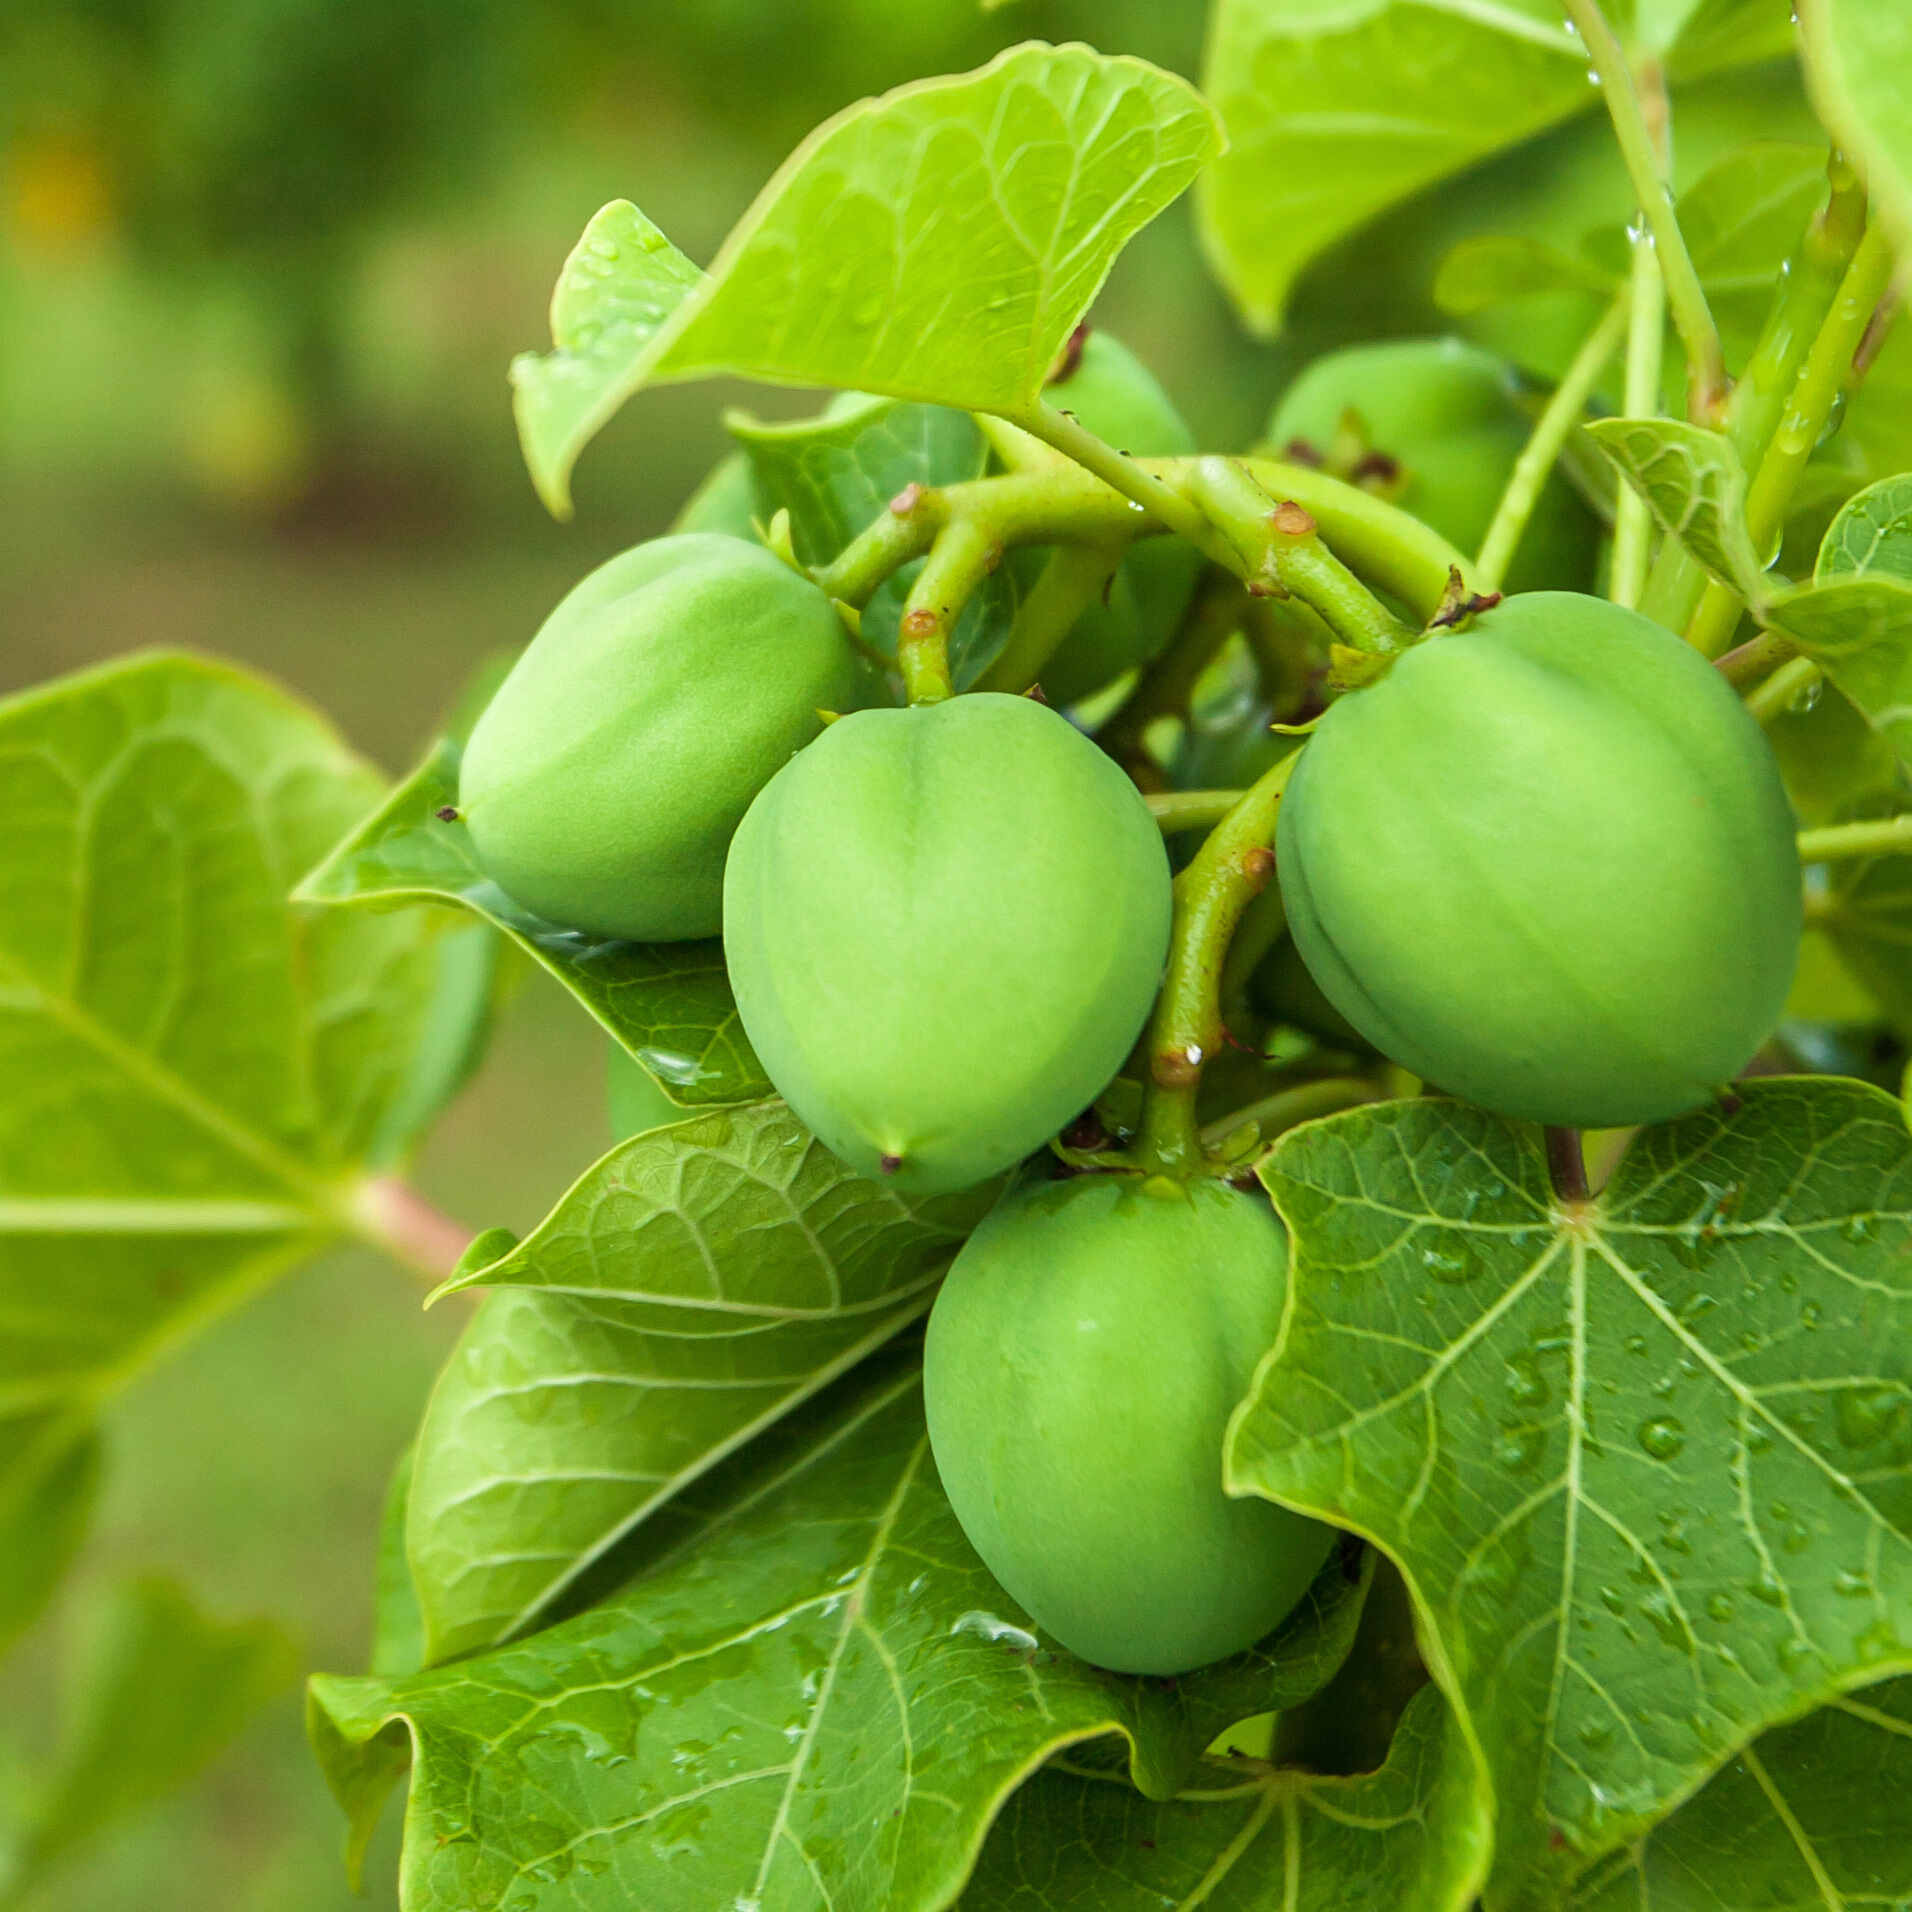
(1662, 1437)
(1805, 700)
(1768, 1590)
(1720, 1607)
(1859, 1228)
(1851, 1586)
(1868, 1415)
(1444, 1265)
(1519, 1447)
(1613, 1600)
(1524, 1384)
(997, 1631)
(1810, 1314)
(1880, 1641)
(1635, 1344)
(1797, 1538)
(1757, 1439)
(1798, 1657)
(1596, 1732)
(1664, 1617)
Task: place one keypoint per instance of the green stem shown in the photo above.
(1782, 690)
(965, 552)
(1685, 296)
(1074, 578)
(1123, 474)
(1565, 410)
(1282, 546)
(1177, 810)
(1811, 282)
(1755, 658)
(1646, 343)
(902, 531)
(1165, 687)
(1232, 866)
(1884, 836)
(1286, 1108)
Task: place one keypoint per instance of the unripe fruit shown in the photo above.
(1083, 1358)
(604, 780)
(945, 927)
(1116, 396)
(1444, 411)
(1547, 863)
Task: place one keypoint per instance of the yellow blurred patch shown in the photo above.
(59, 198)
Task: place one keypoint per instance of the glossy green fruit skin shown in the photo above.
(1548, 864)
(1445, 411)
(1082, 1361)
(604, 780)
(1118, 398)
(945, 927)
(633, 1099)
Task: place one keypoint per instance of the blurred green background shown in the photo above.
(262, 266)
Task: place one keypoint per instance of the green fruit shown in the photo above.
(1083, 1358)
(634, 1098)
(603, 782)
(1445, 412)
(1116, 396)
(945, 927)
(1548, 864)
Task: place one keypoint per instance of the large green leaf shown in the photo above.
(47, 1490)
(836, 472)
(1647, 1465)
(815, 1696)
(190, 1072)
(1811, 1816)
(669, 1004)
(694, 1286)
(937, 243)
(1337, 111)
(160, 1691)
(1858, 60)
(1417, 1833)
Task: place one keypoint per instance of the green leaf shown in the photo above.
(1693, 484)
(1338, 109)
(1647, 1466)
(161, 1690)
(1742, 220)
(1863, 908)
(816, 1696)
(937, 243)
(1810, 1815)
(1498, 268)
(47, 1491)
(398, 1627)
(1859, 627)
(694, 1286)
(191, 1074)
(1418, 1833)
(1858, 60)
(834, 473)
(669, 1004)
(1716, 35)
(1872, 533)
(623, 280)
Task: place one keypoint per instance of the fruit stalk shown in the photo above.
(1075, 576)
(1564, 411)
(1229, 870)
(1686, 297)
(1879, 836)
(1646, 338)
(964, 553)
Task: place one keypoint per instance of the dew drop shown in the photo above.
(1444, 1265)
(1613, 1600)
(1635, 1344)
(1798, 1657)
(1662, 1437)
(1868, 1415)
(1524, 1384)
(1797, 1538)
(1851, 1586)
(1811, 1314)
(1768, 1590)
(1519, 1448)
(1720, 1607)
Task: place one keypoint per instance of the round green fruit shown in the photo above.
(1083, 1358)
(1117, 397)
(634, 1099)
(945, 927)
(604, 780)
(1547, 863)
(1444, 412)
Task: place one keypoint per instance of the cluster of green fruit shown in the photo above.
(1545, 862)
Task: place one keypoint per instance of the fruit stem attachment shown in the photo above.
(1779, 692)
(387, 1212)
(1877, 836)
(1755, 658)
(1567, 1166)
(1642, 152)
(1280, 552)
(1232, 867)
(1564, 410)
(963, 555)
(1075, 576)
(1177, 810)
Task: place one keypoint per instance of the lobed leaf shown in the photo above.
(814, 1696)
(1693, 484)
(1810, 1815)
(694, 1286)
(1416, 1833)
(1647, 1466)
(937, 243)
(669, 1004)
